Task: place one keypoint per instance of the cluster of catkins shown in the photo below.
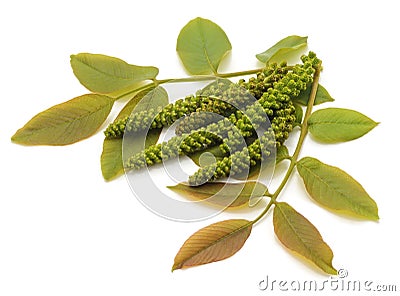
(225, 114)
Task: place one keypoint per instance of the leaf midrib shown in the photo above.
(339, 122)
(204, 192)
(304, 244)
(68, 123)
(110, 75)
(334, 189)
(205, 49)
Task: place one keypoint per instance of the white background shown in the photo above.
(65, 231)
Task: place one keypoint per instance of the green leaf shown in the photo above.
(282, 49)
(105, 74)
(321, 97)
(111, 157)
(222, 194)
(213, 243)
(299, 113)
(333, 125)
(299, 235)
(282, 153)
(66, 123)
(335, 189)
(201, 45)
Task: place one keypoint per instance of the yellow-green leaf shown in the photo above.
(201, 45)
(66, 123)
(222, 194)
(298, 113)
(321, 97)
(282, 153)
(282, 49)
(335, 189)
(111, 157)
(212, 243)
(106, 74)
(299, 235)
(333, 125)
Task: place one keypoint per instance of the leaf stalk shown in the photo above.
(195, 78)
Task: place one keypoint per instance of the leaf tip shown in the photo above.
(18, 137)
(331, 270)
(14, 137)
(72, 60)
(199, 18)
(176, 266)
(374, 212)
(375, 217)
(108, 177)
(304, 39)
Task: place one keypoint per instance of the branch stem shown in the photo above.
(296, 153)
(189, 79)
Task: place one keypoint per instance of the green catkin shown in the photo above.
(212, 134)
(241, 161)
(195, 121)
(247, 92)
(153, 118)
(275, 102)
(220, 98)
(275, 106)
(184, 144)
(265, 79)
(179, 145)
(237, 163)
